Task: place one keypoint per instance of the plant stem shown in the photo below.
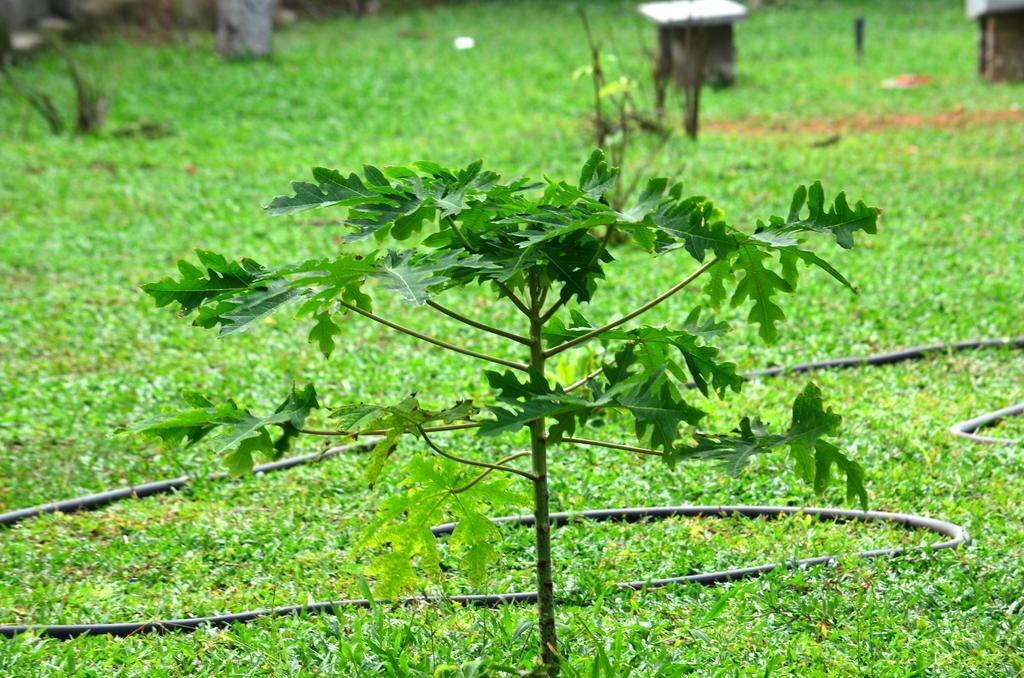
(642, 170)
(473, 462)
(597, 78)
(551, 311)
(478, 325)
(384, 431)
(431, 340)
(608, 235)
(620, 161)
(582, 382)
(632, 314)
(614, 446)
(487, 472)
(516, 301)
(505, 289)
(541, 513)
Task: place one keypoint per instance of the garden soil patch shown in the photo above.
(956, 118)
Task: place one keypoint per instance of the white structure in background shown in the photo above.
(978, 8)
(244, 27)
(695, 42)
(1001, 37)
(700, 12)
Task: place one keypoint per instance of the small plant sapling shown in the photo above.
(92, 102)
(613, 130)
(542, 248)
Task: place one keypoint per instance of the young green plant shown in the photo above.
(613, 132)
(542, 248)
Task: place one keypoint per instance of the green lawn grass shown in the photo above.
(83, 221)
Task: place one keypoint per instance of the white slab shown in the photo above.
(694, 12)
(979, 8)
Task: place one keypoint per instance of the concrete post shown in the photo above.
(244, 27)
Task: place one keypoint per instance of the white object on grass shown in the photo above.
(695, 13)
(464, 42)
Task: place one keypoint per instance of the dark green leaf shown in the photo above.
(596, 177)
(760, 285)
(813, 456)
(218, 278)
(414, 276)
(840, 220)
(658, 411)
(242, 434)
(333, 189)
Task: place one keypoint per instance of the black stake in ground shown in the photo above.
(858, 37)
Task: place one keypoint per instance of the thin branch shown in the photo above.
(384, 431)
(543, 297)
(577, 384)
(608, 234)
(506, 290)
(642, 170)
(597, 77)
(617, 201)
(479, 325)
(614, 446)
(632, 314)
(487, 472)
(473, 462)
(431, 340)
(537, 296)
(329, 434)
(552, 310)
(516, 301)
(459, 234)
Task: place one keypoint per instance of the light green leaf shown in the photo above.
(323, 333)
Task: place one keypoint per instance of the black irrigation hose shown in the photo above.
(100, 499)
(957, 536)
(966, 429)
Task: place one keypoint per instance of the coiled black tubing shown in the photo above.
(955, 536)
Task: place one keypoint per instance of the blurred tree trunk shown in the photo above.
(244, 27)
(689, 56)
(362, 8)
(186, 18)
(6, 51)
